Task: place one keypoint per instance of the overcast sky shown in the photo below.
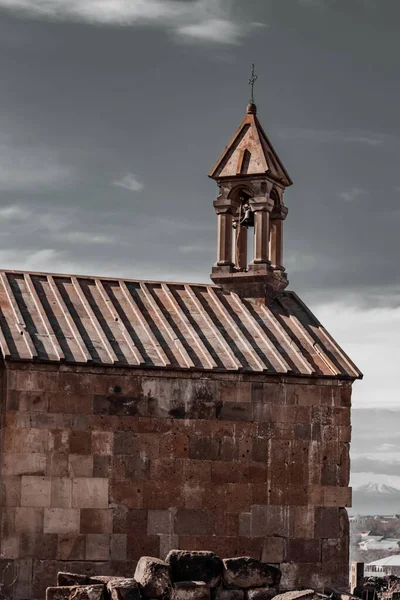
(113, 111)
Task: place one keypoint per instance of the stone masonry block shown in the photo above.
(97, 546)
(71, 546)
(235, 411)
(273, 550)
(238, 497)
(118, 543)
(11, 491)
(80, 465)
(96, 520)
(102, 442)
(142, 444)
(61, 520)
(123, 492)
(161, 495)
(80, 442)
(23, 463)
(334, 550)
(327, 522)
(38, 545)
(61, 492)
(233, 391)
(89, 492)
(167, 543)
(206, 448)
(57, 465)
(71, 403)
(59, 440)
(27, 401)
(196, 470)
(160, 522)
(337, 496)
(102, 466)
(269, 521)
(22, 588)
(29, 520)
(34, 381)
(25, 440)
(142, 545)
(7, 521)
(175, 445)
(35, 491)
(194, 522)
(303, 551)
(245, 524)
(302, 522)
(9, 546)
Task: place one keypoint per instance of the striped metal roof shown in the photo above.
(143, 324)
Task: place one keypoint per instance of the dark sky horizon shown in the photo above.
(113, 111)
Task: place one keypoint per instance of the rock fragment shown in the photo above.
(195, 566)
(153, 576)
(76, 592)
(261, 593)
(298, 595)
(123, 589)
(191, 590)
(247, 572)
(70, 579)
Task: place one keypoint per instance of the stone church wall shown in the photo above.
(103, 466)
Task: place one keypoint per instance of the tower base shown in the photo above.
(259, 282)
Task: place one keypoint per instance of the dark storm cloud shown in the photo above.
(379, 467)
(107, 132)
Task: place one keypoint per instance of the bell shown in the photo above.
(248, 219)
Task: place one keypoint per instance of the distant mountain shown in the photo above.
(375, 499)
(376, 488)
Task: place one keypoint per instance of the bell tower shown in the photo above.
(251, 181)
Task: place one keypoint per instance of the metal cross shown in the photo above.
(252, 81)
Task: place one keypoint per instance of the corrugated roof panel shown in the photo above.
(53, 318)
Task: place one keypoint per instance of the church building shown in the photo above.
(142, 416)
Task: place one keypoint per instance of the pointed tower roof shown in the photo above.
(249, 152)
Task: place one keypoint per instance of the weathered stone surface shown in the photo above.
(261, 593)
(223, 594)
(247, 572)
(298, 595)
(191, 590)
(195, 566)
(123, 589)
(153, 576)
(197, 481)
(104, 579)
(83, 592)
(70, 579)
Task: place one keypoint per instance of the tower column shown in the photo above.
(261, 235)
(240, 250)
(224, 258)
(279, 243)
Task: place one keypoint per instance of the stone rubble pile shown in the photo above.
(182, 576)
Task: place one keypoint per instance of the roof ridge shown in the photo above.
(103, 278)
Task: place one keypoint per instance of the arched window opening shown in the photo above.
(243, 224)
